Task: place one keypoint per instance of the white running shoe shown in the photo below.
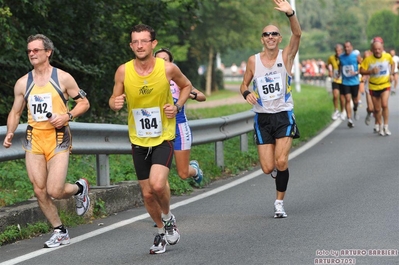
(172, 234)
(83, 199)
(382, 132)
(387, 131)
(376, 128)
(335, 115)
(159, 244)
(343, 115)
(57, 238)
(279, 211)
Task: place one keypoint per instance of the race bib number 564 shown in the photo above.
(270, 87)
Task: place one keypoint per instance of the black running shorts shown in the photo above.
(145, 157)
(271, 126)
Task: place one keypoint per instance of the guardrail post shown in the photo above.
(102, 166)
(244, 142)
(219, 156)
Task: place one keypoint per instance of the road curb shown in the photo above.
(121, 197)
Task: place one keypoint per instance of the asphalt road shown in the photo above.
(342, 206)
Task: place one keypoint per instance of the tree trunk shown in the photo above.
(209, 70)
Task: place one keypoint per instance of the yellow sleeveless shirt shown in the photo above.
(145, 97)
(41, 100)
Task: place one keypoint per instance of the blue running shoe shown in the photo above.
(200, 175)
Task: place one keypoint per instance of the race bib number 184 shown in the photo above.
(148, 122)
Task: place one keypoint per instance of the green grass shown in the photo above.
(221, 94)
(312, 110)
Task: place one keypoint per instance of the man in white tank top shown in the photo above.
(271, 98)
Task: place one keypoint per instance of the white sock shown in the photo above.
(161, 230)
(278, 201)
(166, 217)
(196, 171)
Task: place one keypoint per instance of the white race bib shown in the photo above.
(148, 122)
(270, 87)
(39, 105)
(348, 70)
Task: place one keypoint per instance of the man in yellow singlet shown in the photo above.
(145, 84)
(333, 73)
(48, 141)
(380, 68)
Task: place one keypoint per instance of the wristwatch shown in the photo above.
(179, 108)
(70, 116)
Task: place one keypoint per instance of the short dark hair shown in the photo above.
(143, 27)
(47, 43)
(166, 51)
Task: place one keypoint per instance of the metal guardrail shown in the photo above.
(104, 139)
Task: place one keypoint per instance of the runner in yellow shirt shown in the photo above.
(333, 73)
(380, 67)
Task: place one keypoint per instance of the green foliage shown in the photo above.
(99, 209)
(378, 25)
(14, 183)
(311, 102)
(71, 220)
(16, 232)
(91, 40)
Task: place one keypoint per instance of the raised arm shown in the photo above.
(291, 50)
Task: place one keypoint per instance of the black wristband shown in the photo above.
(246, 93)
(293, 13)
(194, 94)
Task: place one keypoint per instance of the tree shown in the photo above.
(381, 24)
(91, 40)
(228, 24)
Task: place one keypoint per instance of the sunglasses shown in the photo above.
(34, 51)
(274, 34)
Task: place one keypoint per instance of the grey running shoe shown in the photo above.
(159, 244)
(368, 118)
(172, 234)
(83, 199)
(279, 211)
(57, 238)
(200, 175)
(356, 115)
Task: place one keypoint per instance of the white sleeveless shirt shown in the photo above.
(272, 86)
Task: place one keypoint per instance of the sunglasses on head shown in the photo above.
(274, 34)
